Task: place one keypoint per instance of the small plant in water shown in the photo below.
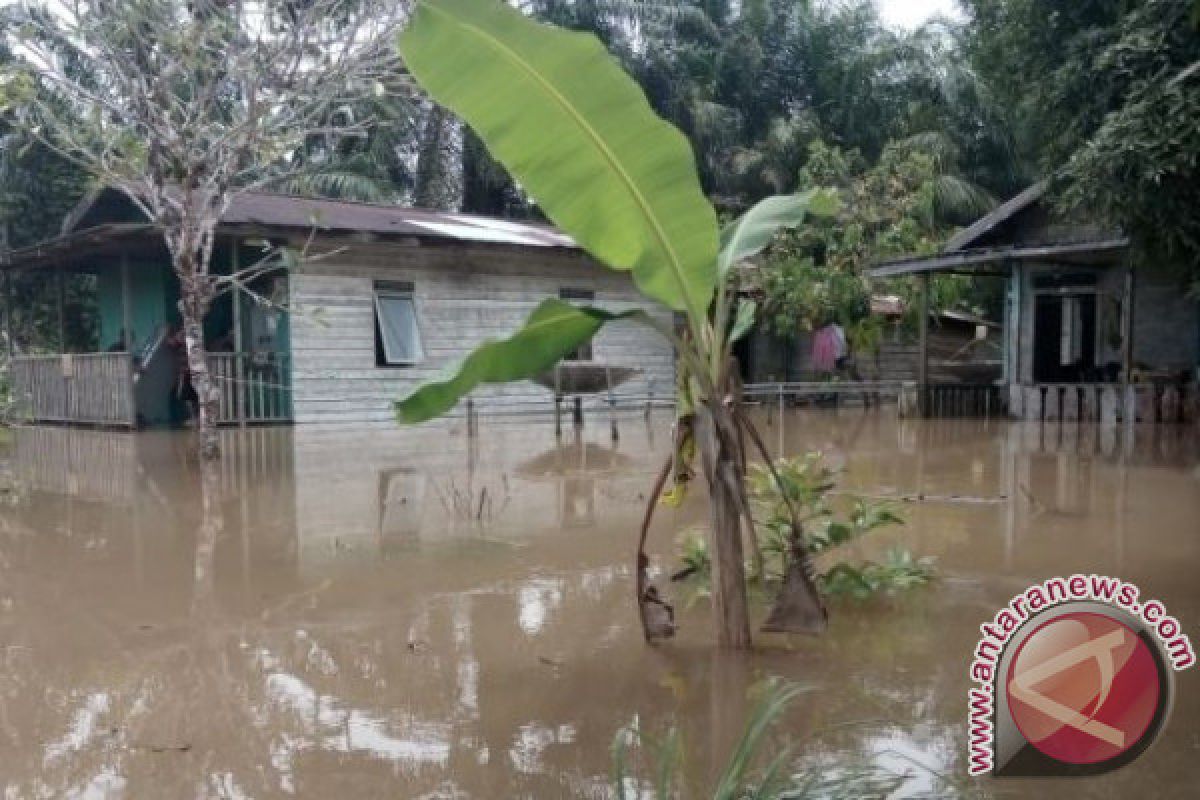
(804, 483)
(746, 775)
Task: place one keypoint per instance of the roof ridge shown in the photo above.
(433, 212)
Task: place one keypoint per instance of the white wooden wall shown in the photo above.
(463, 295)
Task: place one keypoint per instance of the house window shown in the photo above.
(397, 338)
(579, 297)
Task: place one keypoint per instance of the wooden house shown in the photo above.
(963, 349)
(396, 295)
(1086, 335)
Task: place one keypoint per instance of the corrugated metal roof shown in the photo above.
(271, 210)
(287, 211)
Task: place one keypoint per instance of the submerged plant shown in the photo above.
(580, 136)
(746, 775)
(899, 571)
(803, 484)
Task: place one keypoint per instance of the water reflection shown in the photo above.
(332, 612)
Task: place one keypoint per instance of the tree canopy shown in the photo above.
(1101, 95)
(1106, 100)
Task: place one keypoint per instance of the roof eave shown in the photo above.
(974, 258)
(996, 217)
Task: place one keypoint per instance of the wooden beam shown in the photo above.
(923, 337)
(239, 367)
(1018, 321)
(954, 260)
(983, 273)
(126, 304)
(1127, 326)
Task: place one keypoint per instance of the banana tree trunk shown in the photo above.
(720, 457)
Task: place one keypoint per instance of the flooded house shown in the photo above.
(385, 298)
(1086, 334)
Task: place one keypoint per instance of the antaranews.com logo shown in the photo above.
(1075, 677)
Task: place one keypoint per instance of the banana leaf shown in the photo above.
(579, 135)
(553, 331)
(750, 233)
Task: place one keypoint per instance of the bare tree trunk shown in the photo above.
(195, 297)
(717, 440)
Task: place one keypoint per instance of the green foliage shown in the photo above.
(749, 234)
(903, 205)
(761, 767)
(898, 572)
(1140, 167)
(553, 331)
(693, 552)
(807, 483)
(604, 167)
(753, 85)
(560, 128)
(1107, 99)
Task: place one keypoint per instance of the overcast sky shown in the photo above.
(911, 13)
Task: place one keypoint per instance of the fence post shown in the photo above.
(923, 333)
(612, 405)
(131, 387)
(558, 398)
(239, 369)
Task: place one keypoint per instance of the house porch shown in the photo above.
(1086, 337)
(102, 356)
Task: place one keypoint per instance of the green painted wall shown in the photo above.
(151, 290)
(154, 296)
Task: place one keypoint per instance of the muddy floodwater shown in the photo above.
(412, 614)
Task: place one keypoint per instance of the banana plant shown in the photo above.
(579, 135)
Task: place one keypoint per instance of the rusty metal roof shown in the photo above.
(271, 210)
(288, 211)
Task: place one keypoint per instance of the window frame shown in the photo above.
(403, 290)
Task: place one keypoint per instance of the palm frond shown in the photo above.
(956, 198)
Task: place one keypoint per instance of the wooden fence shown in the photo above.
(1105, 402)
(253, 388)
(965, 400)
(86, 388)
(98, 389)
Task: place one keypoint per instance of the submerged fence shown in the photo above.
(1158, 403)
(87, 388)
(101, 389)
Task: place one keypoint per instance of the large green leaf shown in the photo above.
(747, 235)
(743, 320)
(553, 331)
(579, 135)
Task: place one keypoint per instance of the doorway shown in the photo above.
(1064, 338)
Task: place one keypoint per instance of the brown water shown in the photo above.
(407, 614)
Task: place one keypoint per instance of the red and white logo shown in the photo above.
(1074, 677)
(1083, 688)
